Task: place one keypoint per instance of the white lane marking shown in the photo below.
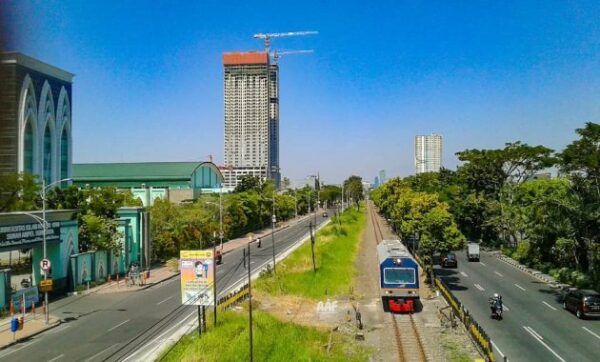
(539, 339)
(118, 325)
(99, 353)
(592, 333)
(498, 274)
(164, 300)
(549, 306)
(505, 307)
(520, 287)
(19, 348)
(482, 263)
(498, 349)
(57, 358)
(464, 274)
(479, 287)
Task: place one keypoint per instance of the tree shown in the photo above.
(329, 194)
(18, 192)
(248, 183)
(353, 188)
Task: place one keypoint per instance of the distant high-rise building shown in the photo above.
(376, 182)
(382, 177)
(428, 153)
(251, 117)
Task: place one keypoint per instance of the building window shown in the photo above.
(64, 155)
(28, 148)
(47, 172)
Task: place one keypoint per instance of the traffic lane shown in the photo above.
(560, 333)
(548, 297)
(476, 302)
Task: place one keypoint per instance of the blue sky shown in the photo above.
(148, 83)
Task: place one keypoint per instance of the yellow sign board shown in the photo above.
(197, 277)
(45, 285)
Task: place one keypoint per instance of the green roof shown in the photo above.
(133, 171)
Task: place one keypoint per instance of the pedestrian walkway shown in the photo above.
(34, 324)
(147, 279)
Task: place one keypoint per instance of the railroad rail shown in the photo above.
(408, 341)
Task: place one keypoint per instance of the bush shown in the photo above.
(521, 253)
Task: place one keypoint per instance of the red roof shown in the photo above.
(236, 58)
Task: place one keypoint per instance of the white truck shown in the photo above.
(473, 252)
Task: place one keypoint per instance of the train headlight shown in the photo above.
(397, 261)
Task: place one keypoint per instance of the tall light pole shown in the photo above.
(273, 221)
(43, 195)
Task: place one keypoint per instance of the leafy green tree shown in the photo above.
(353, 188)
(19, 192)
(248, 183)
(329, 194)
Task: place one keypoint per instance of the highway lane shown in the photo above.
(535, 327)
(112, 326)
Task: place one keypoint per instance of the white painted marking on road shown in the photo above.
(118, 325)
(592, 333)
(505, 307)
(464, 274)
(498, 349)
(482, 263)
(498, 274)
(549, 306)
(164, 300)
(99, 353)
(520, 287)
(479, 287)
(56, 358)
(19, 348)
(539, 338)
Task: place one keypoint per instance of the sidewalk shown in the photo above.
(34, 324)
(157, 275)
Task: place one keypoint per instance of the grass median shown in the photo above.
(273, 341)
(336, 248)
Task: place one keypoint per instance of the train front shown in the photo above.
(399, 277)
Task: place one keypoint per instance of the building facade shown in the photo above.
(428, 153)
(251, 135)
(35, 118)
(382, 177)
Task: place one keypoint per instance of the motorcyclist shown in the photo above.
(259, 242)
(496, 305)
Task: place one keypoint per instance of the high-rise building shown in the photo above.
(382, 177)
(35, 118)
(251, 117)
(428, 153)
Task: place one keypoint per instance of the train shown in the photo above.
(398, 277)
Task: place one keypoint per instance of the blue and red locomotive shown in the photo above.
(398, 277)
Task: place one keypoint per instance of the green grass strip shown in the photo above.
(273, 341)
(336, 249)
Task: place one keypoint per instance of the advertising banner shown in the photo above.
(197, 277)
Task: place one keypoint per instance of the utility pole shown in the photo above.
(312, 246)
(214, 270)
(250, 304)
(273, 221)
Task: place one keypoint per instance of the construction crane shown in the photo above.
(276, 54)
(267, 37)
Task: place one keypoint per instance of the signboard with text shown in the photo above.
(197, 277)
(27, 235)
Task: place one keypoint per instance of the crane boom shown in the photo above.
(267, 37)
(276, 54)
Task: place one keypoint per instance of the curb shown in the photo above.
(160, 281)
(54, 325)
(535, 273)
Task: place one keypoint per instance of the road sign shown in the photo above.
(45, 285)
(45, 264)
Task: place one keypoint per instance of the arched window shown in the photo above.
(64, 154)
(28, 150)
(47, 155)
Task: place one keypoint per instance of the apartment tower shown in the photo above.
(428, 153)
(251, 145)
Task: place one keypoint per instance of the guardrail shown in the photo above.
(475, 330)
(233, 298)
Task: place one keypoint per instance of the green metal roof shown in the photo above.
(133, 171)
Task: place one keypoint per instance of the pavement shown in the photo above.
(129, 325)
(535, 327)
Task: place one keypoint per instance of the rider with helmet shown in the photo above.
(496, 305)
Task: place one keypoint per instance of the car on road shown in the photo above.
(325, 214)
(584, 303)
(448, 260)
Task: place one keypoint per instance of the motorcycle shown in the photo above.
(496, 310)
(259, 242)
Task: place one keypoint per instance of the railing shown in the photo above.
(232, 298)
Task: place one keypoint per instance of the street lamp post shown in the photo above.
(45, 226)
(273, 221)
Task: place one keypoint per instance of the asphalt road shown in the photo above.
(111, 327)
(535, 327)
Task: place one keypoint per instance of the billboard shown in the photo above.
(196, 277)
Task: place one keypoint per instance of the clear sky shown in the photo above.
(149, 86)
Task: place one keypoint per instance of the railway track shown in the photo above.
(408, 341)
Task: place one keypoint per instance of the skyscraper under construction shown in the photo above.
(251, 144)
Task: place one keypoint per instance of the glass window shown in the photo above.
(399, 276)
(47, 155)
(64, 155)
(28, 149)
